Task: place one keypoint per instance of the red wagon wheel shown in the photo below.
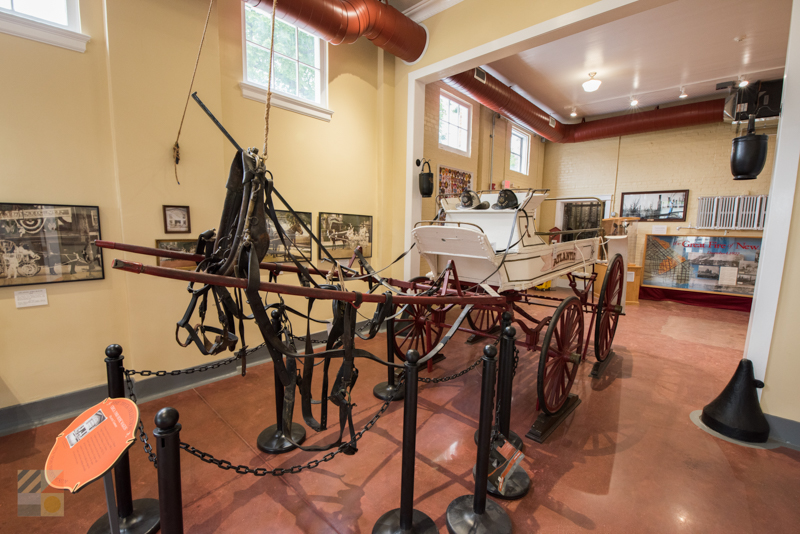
(482, 319)
(608, 308)
(414, 329)
(560, 357)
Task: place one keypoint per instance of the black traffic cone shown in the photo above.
(736, 412)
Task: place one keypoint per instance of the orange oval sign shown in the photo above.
(92, 444)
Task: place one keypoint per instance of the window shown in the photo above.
(299, 61)
(520, 148)
(454, 123)
(55, 22)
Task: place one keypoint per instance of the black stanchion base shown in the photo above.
(462, 519)
(389, 523)
(272, 440)
(516, 486)
(515, 440)
(145, 519)
(476, 338)
(600, 367)
(546, 424)
(386, 392)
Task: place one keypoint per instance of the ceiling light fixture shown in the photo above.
(683, 93)
(634, 102)
(743, 81)
(574, 113)
(591, 85)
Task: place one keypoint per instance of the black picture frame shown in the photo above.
(655, 206)
(301, 240)
(49, 244)
(340, 233)
(177, 220)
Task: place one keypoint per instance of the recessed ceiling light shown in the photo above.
(591, 84)
(683, 93)
(634, 102)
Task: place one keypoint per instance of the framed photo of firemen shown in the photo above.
(49, 243)
(341, 233)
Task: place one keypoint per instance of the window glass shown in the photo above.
(50, 10)
(520, 144)
(454, 124)
(297, 58)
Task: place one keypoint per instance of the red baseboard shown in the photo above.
(695, 298)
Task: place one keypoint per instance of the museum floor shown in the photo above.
(628, 460)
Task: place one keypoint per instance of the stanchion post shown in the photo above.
(388, 390)
(473, 513)
(168, 449)
(405, 520)
(139, 516)
(272, 439)
(505, 381)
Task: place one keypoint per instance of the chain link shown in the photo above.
(225, 465)
(142, 434)
(451, 377)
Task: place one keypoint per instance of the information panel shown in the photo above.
(712, 264)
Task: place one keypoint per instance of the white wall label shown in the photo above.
(31, 297)
(660, 229)
(631, 276)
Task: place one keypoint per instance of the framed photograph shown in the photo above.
(655, 205)
(49, 243)
(711, 264)
(453, 181)
(341, 233)
(176, 220)
(299, 239)
(178, 245)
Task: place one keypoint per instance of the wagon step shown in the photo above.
(476, 338)
(546, 424)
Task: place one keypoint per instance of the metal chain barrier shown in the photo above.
(451, 377)
(130, 372)
(280, 471)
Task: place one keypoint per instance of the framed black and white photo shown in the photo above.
(299, 241)
(49, 243)
(655, 205)
(341, 233)
(177, 245)
(176, 220)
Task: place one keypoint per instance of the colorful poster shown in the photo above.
(723, 264)
(453, 181)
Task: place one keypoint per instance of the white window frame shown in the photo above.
(525, 165)
(67, 36)
(258, 92)
(467, 105)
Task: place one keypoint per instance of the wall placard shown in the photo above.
(711, 264)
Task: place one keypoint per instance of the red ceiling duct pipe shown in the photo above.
(344, 21)
(497, 96)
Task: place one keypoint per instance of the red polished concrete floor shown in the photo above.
(627, 460)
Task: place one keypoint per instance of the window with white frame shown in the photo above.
(520, 149)
(299, 58)
(454, 123)
(55, 22)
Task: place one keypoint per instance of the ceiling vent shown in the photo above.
(480, 75)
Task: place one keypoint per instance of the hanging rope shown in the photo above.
(264, 153)
(176, 149)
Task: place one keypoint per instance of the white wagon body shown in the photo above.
(476, 241)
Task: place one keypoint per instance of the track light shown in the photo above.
(574, 113)
(683, 93)
(634, 102)
(591, 85)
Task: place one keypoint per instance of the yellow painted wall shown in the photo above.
(781, 396)
(695, 158)
(98, 128)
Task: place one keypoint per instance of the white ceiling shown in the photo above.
(651, 55)
(402, 5)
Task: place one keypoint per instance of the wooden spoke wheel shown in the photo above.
(609, 306)
(483, 320)
(560, 357)
(415, 329)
